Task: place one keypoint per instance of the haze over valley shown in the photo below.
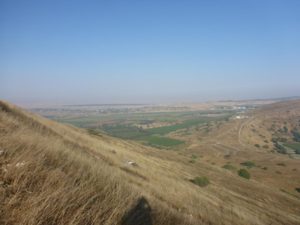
(150, 112)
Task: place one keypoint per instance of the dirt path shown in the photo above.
(241, 129)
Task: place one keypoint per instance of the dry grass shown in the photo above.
(55, 174)
(48, 179)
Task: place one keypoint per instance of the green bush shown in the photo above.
(201, 181)
(244, 173)
(296, 135)
(229, 167)
(193, 156)
(297, 189)
(279, 148)
(248, 164)
(282, 139)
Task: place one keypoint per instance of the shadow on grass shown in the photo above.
(140, 214)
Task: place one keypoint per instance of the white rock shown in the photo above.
(131, 163)
(20, 164)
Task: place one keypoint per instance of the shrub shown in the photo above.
(93, 132)
(201, 181)
(244, 173)
(248, 164)
(282, 139)
(280, 148)
(281, 164)
(297, 189)
(229, 167)
(274, 140)
(257, 145)
(296, 135)
(194, 157)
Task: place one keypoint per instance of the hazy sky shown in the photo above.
(148, 51)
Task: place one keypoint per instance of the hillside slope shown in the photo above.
(56, 174)
(257, 136)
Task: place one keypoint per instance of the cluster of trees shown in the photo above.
(280, 148)
(296, 135)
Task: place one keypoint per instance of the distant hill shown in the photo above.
(52, 173)
(275, 124)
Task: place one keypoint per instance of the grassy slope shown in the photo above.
(233, 142)
(55, 174)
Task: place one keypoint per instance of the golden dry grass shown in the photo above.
(56, 174)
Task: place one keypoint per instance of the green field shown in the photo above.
(123, 125)
(157, 141)
(125, 131)
(183, 125)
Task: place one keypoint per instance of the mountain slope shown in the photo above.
(256, 136)
(56, 174)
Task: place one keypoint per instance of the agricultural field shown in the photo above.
(149, 127)
(130, 126)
